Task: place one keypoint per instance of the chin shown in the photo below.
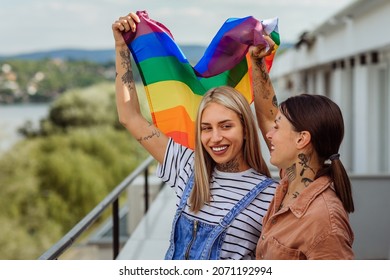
(274, 163)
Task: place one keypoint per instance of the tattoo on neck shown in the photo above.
(295, 194)
(306, 181)
(230, 166)
(285, 200)
(304, 160)
(291, 172)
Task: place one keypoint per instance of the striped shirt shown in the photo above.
(226, 190)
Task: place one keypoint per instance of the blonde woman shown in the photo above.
(223, 188)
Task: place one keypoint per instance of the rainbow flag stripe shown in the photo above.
(174, 87)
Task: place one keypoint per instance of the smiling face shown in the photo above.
(283, 140)
(222, 136)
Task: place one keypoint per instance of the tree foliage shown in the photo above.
(93, 107)
(44, 80)
(50, 180)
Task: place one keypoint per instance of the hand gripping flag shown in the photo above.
(174, 87)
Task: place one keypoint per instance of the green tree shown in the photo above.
(50, 180)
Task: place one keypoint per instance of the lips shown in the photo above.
(219, 149)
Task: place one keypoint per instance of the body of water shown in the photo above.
(14, 116)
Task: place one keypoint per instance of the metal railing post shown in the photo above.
(115, 228)
(111, 199)
(146, 189)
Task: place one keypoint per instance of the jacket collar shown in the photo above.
(303, 201)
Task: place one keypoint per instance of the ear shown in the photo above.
(303, 139)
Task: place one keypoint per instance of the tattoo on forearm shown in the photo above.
(230, 166)
(155, 133)
(275, 101)
(275, 104)
(263, 84)
(263, 70)
(127, 77)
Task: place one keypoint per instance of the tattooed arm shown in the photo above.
(151, 138)
(266, 104)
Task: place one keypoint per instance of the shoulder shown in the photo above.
(178, 164)
(177, 147)
(331, 216)
(334, 238)
(327, 207)
(269, 185)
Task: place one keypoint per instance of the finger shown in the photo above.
(270, 42)
(129, 22)
(135, 17)
(118, 26)
(124, 24)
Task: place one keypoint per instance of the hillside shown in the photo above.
(192, 52)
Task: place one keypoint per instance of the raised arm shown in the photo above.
(265, 100)
(150, 137)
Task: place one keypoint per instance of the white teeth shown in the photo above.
(218, 149)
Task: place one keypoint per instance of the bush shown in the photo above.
(85, 107)
(50, 181)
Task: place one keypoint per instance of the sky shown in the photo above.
(40, 25)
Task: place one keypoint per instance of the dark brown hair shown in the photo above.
(320, 116)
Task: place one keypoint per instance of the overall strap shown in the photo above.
(244, 202)
(232, 214)
(186, 193)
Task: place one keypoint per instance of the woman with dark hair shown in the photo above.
(308, 217)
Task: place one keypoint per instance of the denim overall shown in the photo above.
(206, 240)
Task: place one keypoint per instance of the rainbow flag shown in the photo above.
(174, 87)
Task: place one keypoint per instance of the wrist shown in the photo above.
(258, 59)
(120, 45)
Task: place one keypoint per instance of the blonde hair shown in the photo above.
(204, 164)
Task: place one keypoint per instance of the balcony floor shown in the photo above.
(150, 239)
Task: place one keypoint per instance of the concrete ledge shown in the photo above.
(150, 239)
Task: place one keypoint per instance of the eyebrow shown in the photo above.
(278, 119)
(224, 121)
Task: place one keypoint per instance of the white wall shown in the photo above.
(361, 89)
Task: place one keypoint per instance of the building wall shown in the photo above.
(348, 59)
(370, 222)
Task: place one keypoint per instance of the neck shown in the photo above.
(232, 166)
(300, 174)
